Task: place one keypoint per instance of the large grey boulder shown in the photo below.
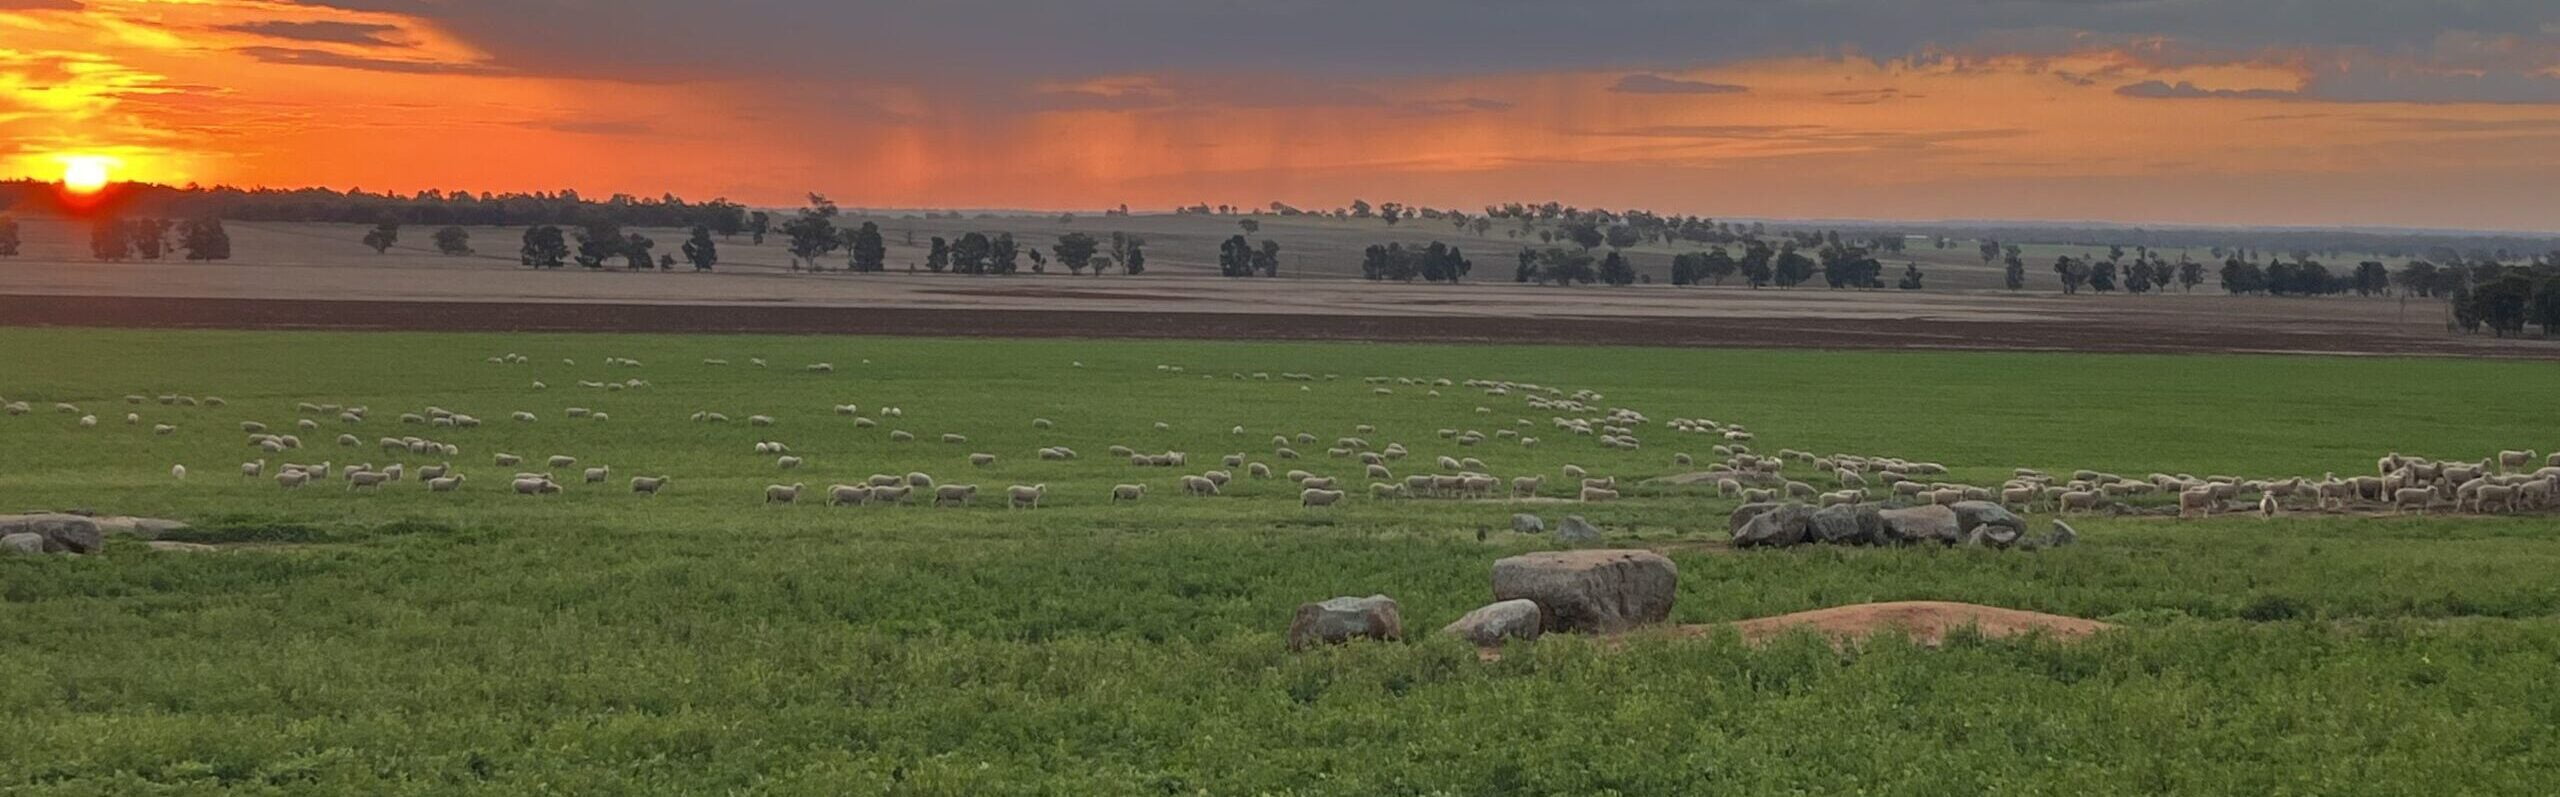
(1489, 626)
(1743, 514)
(25, 542)
(2063, 535)
(1575, 529)
(1843, 524)
(61, 533)
(1525, 523)
(1344, 619)
(1597, 591)
(1930, 523)
(1987, 523)
(1790, 524)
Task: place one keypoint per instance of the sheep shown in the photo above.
(901, 436)
(820, 368)
(1574, 472)
(1219, 477)
(524, 417)
(955, 439)
(1025, 496)
(1610, 483)
(2508, 461)
(1233, 461)
(1317, 483)
(2504, 496)
(1477, 486)
(1449, 463)
(885, 480)
(444, 484)
(436, 471)
(1800, 490)
(783, 494)
(2085, 500)
(891, 494)
(131, 419)
(1286, 453)
(1199, 487)
(366, 479)
(649, 485)
(2019, 497)
(1312, 497)
(1258, 470)
(954, 494)
(1527, 486)
(292, 479)
(982, 460)
(1127, 492)
(1385, 491)
(759, 420)
(597, 475)
(163, 429)
(1597, 495)
(563, 461)
(1380, 472)
(2419, 497)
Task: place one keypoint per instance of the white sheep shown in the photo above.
(1025, 496)
(955, 439)
(444, 484)
(760, 420)
(1199, 487)
(649, 485)
(366, 479)
(891, 494)
(291, 479)
(788, 462)
(597, 475)
(900, 436)
(920, 479)
(982, 459)
(848, 494)
(1313, 497)
(1127, 492)
(563, 461)
(1596, 494)
(782, 493)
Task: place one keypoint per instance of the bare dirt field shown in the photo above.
(317, 276)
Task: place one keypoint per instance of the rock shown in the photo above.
(1575, 529)
(1862, 524)
(1931, 523)
(1489, 626)
(1344, 619)
(25, 542)
(149, 528)
(1971, 515)
(1598, 591)
(166, 546)
(1791, 524)
(2063, 535)
(61, 533)
(1743, 514)
(1528, 524)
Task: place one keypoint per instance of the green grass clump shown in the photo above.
(703, 642)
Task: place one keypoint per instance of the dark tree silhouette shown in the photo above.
(453, 241)
(700, 250)
(383, 236)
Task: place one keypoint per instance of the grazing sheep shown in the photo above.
(1312, 497)
(2504, 496)
(597, 475)
(1220, 477)
(955, 439)
(1380, 472)
(783, 494)
(891, 494)
(982, 460)
(366, 479)
(2508, 461)
(436, 471)
(563, 461)
(508, 460)
(1596, 495)
(163, 429)
(525, 417)
(1610, 483)
(1258, 470)
(759, 420)
(954, 494)
(1574, 472)
(2020, 497)
(900, 436)
(2084, 500)
(1286, 453)
(1199, 486)
(444, 484)
(1317, 483)
(292, 479)
(1384, 491)
(649, 485)
(1025, 497)
(1127, 492)
(821, 368)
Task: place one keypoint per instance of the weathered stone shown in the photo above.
(61, 533)
(1344, 619)
(1972, 515)
(1930, 523)
(1787, 525)
(1743, 514)
(1843, 524)
(26, 542)
(1575, 529)
(1490, 625)
(1598, 591)
(1525, 523)
(2063, 535)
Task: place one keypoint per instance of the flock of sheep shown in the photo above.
(2498, 483)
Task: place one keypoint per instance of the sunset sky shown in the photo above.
(2370, 112)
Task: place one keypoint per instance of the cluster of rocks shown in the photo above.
(1573, 529)
(81, 535)
(1594, 591)
(1978, 523)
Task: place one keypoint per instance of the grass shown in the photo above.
(408, 643)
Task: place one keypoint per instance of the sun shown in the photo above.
(87, 174)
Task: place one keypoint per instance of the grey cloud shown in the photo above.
(1648, 83)
(323, 31)
(309, 57)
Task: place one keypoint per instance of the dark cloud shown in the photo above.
(308, 57)
(2184, 90)
(326, 32)
(1645, 83)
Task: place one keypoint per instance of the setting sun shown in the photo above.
(86, 174)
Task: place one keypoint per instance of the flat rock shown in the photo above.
(1344, 619)
(1495, 622)
(1596, 591)
(1930, 523)
(1743, 514)
(1842, 524)
(25, 542)
(1989, 524)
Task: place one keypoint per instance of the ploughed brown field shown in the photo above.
(320, 276)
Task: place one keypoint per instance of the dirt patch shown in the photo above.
(1925, 622)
